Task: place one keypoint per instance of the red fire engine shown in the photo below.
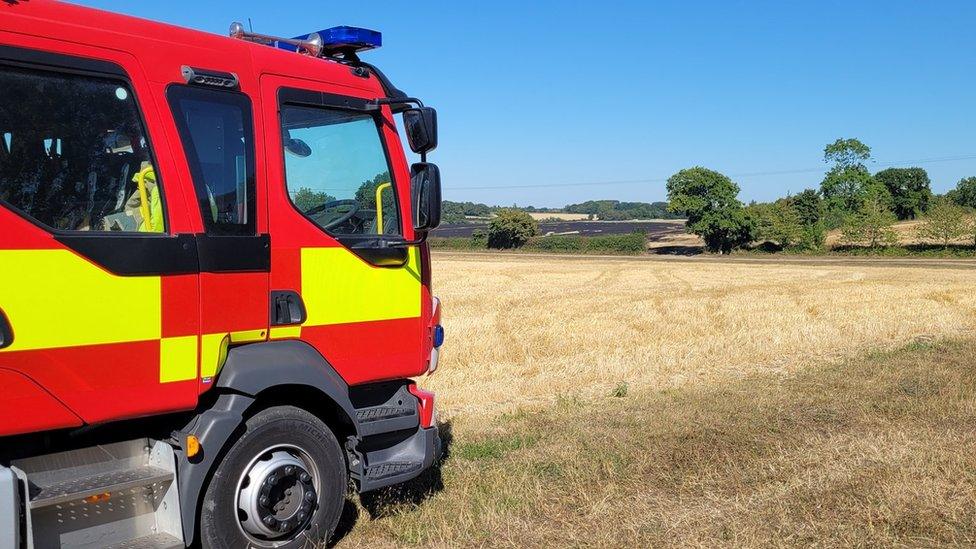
(214, 286)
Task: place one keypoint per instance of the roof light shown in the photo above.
(343, 40)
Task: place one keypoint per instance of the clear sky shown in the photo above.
(544, 103)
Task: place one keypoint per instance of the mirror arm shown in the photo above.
(408, 243)
(397, 104)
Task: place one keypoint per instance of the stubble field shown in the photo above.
(593, 402)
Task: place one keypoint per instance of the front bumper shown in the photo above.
(401, 462)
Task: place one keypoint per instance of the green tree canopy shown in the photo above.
(306, 199)
(511, 228)
(710, 201)
(777, 222)
(965, 193)
(910, 189)
(873, 223)
(945, 223)
(848, 181)
(847, 153)
(809, 207)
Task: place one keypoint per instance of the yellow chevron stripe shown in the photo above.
(53, 298)
(177, 358)
(339, 288)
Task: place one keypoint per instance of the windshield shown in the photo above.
(336, 171)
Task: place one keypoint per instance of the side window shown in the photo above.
(74, 154)
(217, 131)
(337, 172)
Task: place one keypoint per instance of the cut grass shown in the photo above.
(530, 330)
(622, 402)
(876, 451)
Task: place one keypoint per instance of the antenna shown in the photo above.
(250, 27)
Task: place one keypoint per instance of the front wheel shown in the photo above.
(282, 484)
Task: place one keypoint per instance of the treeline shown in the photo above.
(615, 210)
(603, 210)
(864, 206)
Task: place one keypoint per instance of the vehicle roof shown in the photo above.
(151, 39)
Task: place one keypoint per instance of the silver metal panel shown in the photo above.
(168, 515)
(154, 541)
(63, 466)
(10, 506)
(115, 481)
(137, 503)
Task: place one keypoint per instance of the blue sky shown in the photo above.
(533, 96)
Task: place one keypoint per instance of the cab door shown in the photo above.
(217, 130)
(339, 197)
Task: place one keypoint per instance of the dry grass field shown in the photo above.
(601, 402)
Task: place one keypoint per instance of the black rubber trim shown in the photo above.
(222, 254)
(145, 255)
(6, 332)
(17, 56)
(295, 96)
(213, 427)
(136, 254)
(380, 256)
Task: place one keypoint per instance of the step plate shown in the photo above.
(155, 541)
(114, 481)
(385, 470)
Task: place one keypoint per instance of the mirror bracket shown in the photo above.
(397, 104)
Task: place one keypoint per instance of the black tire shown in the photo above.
(220, 523)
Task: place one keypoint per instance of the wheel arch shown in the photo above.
(255, 377)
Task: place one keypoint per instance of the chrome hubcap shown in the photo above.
(276, 495)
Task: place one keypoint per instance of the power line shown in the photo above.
(737, 175)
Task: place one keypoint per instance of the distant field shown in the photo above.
(654, 228)
(646, 403)
(561, 215)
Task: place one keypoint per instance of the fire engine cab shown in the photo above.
(214, 284)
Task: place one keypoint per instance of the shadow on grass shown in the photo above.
(386, 501)
(921, 250)
(676, 250)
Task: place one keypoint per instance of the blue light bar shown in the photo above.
(343, 40)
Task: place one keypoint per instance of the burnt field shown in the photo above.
(654, 229)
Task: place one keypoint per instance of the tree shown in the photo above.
(306, 199)
(366, 193)
(971, 227)
(965, 193)
(910, 188)
(847, 153)
(945, 223)
(848, 181)
(710, 201)
(777, 222)
(809, 206)
(871, 224)
(511, 229)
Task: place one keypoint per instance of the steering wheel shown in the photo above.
(335, 204)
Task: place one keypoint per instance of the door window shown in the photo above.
(337, 172)
(74, 154)
(218, 136)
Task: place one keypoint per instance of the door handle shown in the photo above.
(287, 308)
(6, 332)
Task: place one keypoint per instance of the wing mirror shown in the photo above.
(420, 125)
(425, 192)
